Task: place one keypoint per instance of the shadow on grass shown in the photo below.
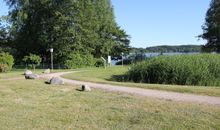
(80, 90)
(118, 78)
(47, 82)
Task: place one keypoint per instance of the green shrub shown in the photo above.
(32, 59)
(77, 60)
(99, 63)
(201, 69)
(6, 62)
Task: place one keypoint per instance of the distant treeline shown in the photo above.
(182, 48)
(165, 48)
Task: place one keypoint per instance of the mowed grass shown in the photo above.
(31, 104)
(106, 76)
(19, 73)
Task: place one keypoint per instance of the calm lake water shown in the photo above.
(173, 53)
(149, 55)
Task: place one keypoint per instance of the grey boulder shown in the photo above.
(86, 88)
(56, 81)
(27, 72)
(31, 76)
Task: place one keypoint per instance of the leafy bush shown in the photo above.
(6, 62)
(202, 69)
(77, 60)
(32, 59)
(100, 63)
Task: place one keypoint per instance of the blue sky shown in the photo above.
(3, 8)
(161, 22)
(158, 22)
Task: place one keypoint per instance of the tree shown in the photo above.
(96, 31)
(32, 59)
(5, 37)
(112, 39)
(212, 27)
(79, 26)
(39, 25)
(77, 60)
(122, 43)
(6, 62)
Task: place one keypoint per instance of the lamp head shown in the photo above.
(51, 50)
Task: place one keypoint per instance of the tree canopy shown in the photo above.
(79, 26)
(32, 59)
(212, 27)
(5, 38)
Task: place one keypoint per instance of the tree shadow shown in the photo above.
(80, 90)
(118, 78)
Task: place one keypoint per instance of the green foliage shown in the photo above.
(203, 69)
(77, 60)
(32, 59)
(5, 37)
(6, 62)
(99, 63)
(211, 27)
(67, 26)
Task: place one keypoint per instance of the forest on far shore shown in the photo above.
(170, 49)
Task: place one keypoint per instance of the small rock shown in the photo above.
(86, 88)
(27, 72)
(56, 81)
(31, 76)
(47, 71)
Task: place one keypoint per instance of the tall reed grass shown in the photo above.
(200, 69)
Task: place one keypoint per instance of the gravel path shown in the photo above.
(173, 96)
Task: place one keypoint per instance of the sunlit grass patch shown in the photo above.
(31, 104)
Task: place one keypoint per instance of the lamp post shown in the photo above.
(51, 58)
(122, 58)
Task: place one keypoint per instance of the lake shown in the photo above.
(149, 55)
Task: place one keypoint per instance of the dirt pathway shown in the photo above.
(174, 96)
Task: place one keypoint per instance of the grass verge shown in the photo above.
(20, 72)
(107, 76)
(31, 104)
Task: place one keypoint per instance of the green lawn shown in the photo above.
(30, 104)
(20, 72)
(101, 75)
